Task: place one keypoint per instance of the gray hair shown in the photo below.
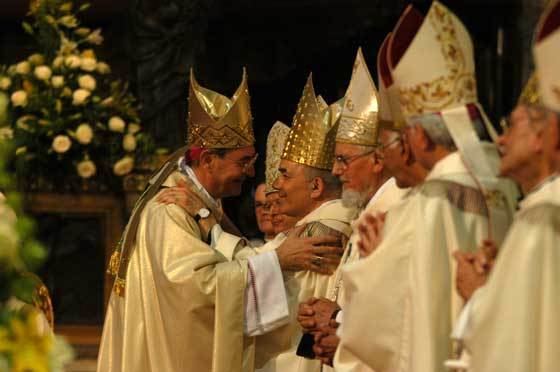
(438, 133)
(333, 186)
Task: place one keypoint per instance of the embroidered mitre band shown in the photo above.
(442, 46)
(311, 140)
(274, 146)
(216, 121)
(359, 122)
(530, 94)
(546, 48)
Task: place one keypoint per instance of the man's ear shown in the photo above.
(377, 164)
(206, 159)
(317, 188)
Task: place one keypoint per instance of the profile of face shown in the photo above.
(280, 222)
(295, 191)
(518, 144)
(357, 167)
(396, 156)
(229, 172)
(262, 211)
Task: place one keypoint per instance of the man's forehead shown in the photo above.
(347, 148)
(289, 165)
(244, 152)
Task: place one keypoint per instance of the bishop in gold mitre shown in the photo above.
(402, 296)
(310, 193)
(189, 293)
(513, 319)
(367, 188)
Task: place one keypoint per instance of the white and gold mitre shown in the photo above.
(432, 62)
(274, 146)
(216, 121)
(359, 124)
(547, 45)
(312, 137)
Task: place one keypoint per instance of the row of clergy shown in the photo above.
(394, 237)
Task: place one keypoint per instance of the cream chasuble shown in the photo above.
(514, 323)
(388, 195)
(400, 301)
(183, 303)
(330, 218)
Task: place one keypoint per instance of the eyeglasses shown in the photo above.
(244, 164)
(345, 161)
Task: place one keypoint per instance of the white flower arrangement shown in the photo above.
(64, 111)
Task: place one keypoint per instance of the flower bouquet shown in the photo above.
(70, 119)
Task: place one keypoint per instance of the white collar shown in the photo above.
(391, 182)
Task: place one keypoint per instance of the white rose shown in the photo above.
(87, 82)
(6, 133)
(57, 81)
(80, 96)
(95, 37)
(123, 166)
(58, 61)
(116, 124)
(19, 98)
(37, 59)
(73, 61)
(42, 72)
(129, 142)
(103, 68)
(61, 143)
(84, 133)
(23, 68)
(88, 64)
(68, 21)
(86, 168)
(5, 82)
(66, 92)
(134, 128)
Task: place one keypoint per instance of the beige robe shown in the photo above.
(388, 195)
(514, 323)
(400, 301)
(183, 305)
(331, 217)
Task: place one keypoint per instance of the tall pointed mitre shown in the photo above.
(547, 45)
(274, 146)
(441, 45)
(359, 123)
(445, 84)
(312, 137)
(390, 114)
(216, 121)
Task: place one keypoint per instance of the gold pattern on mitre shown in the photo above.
(359, 124)
(530, 94)
(312, 137)
(443, 48)
(274, 147)
(547, 44)
(216, 121)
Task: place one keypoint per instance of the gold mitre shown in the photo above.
(359, 124)
(312, 137)
(216, 121)
(274, 146)
(547, 45)
(530, 94)
(432, 62)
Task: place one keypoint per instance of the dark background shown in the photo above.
(154, 43)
